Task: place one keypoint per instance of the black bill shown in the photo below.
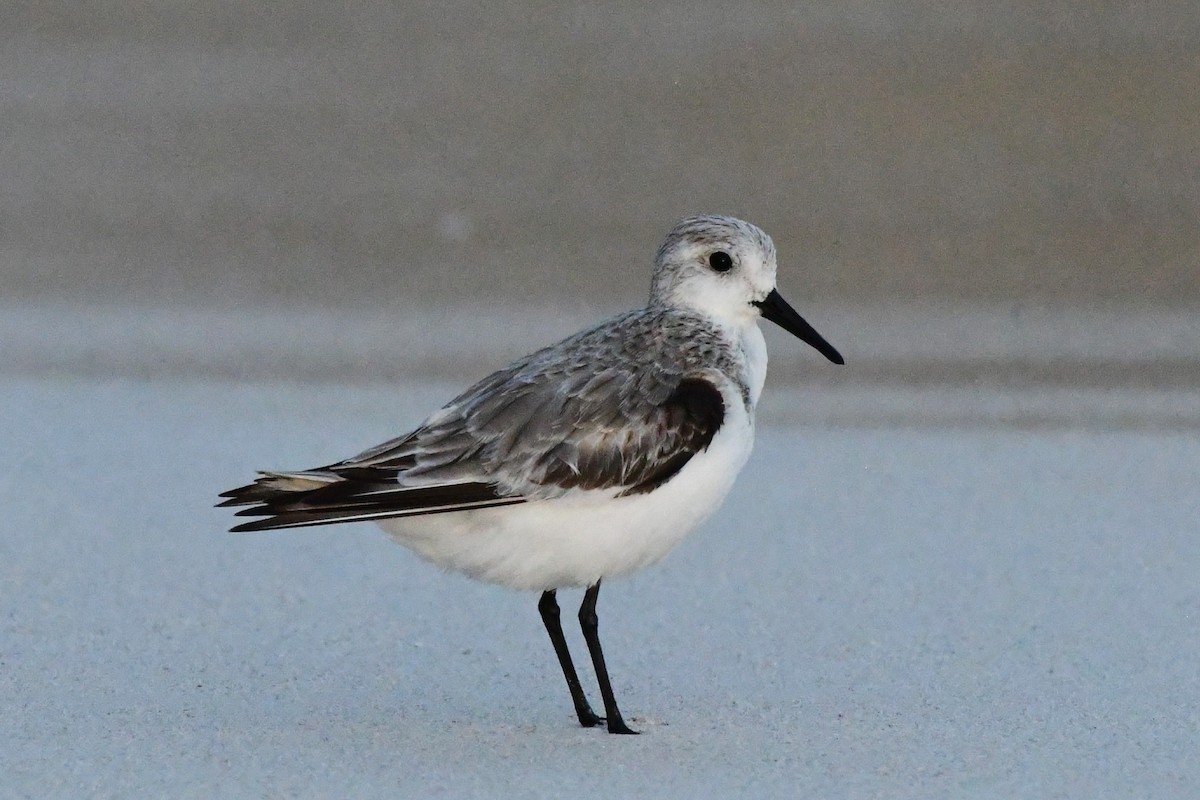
(776, 309)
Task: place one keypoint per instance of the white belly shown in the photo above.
(577, 539)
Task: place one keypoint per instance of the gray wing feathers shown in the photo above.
(610, 416)
(623, 406)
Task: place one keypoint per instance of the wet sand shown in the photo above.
(875, 612)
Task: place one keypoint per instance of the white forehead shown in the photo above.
(712, 232)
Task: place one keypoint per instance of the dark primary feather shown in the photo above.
(556, 420)
(675, 431)
(350, 500)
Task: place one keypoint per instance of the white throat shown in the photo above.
(754, 347)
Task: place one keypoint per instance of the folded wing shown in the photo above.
(542, 428)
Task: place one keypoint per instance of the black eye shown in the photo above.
(720, 261)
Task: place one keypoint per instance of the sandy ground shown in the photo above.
(876, 612)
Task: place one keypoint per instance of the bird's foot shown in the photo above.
(589, 718)
(617, 725)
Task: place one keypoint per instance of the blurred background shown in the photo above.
(960, 192)
(242, 235)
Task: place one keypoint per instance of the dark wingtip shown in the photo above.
(246, 495)
(254, 511)
(251, 527)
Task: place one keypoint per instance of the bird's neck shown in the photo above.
(754, 350)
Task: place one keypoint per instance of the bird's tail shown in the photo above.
(273, 486)
(325, 497)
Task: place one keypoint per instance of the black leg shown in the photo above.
(549, 608)
(590, 624)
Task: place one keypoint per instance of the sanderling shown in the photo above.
(586, 460)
